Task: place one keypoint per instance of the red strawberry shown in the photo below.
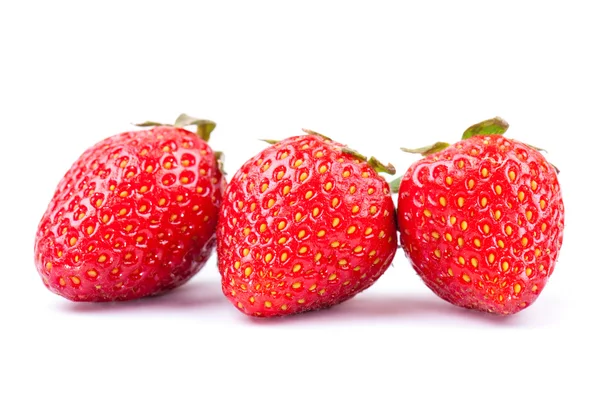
(304, 225)
(134, 216)
(482, 220)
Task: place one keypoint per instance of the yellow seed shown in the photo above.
(542, 204)
(297, 163)
(268, 257)
(484, 201)
(471, 183)
(335, 222)
(321, 233)
(452, 220)
(477, 242)
(335, 244)
(270, 203)
(524, 241)
(286, 189)
(351, 229)
(370, 191)
(281, 225)
(474, 262)
(450, 272)
(301, 301)
(528, 271)
(296, 268)
(72, 241)
(302, 250)
(346, 174)
(437, 253)
(435, 234)
(280, 175)
(498, 189)
(368, 231)
(517, 288)
(466, 278)
(449, 180)
(460, 201)
(373, 209)
(92, 273)
(497, 214)
(491, 258)
(283, 256)
(486, 229)
(245, 252)
(544, 226)
(284, 307)
(534, 185)
(461, 260)
(303, 176)
(512, 175)
(501, 243)
(319, 154)
(328, 186)
(90, 230)
(529, 215)
(335, 202)
(521, 196)
(283, 155)
(461, 241)
(358, 249)
(448, 237)
(463, 225)
(318, 256)
(75, 280)
(296, 285)
(352, 189)
(247, 271)
(355, 209)
(298, 216)
(268, 304)
(505, 266)
(442, 201)
(342, 262)
(323, 169)
(332, 277)
(508, 230)
(484, 172)
(301, 234)
(427, 213)
(365, 174)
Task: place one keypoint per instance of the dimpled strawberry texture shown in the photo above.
(134, 216)
(303, 226)
(482, 223)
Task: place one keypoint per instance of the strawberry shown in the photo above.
(304, 225)
(482, 220)
(134, 216)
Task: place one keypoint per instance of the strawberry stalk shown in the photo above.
(203, 127)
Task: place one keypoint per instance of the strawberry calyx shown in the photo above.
(493, 126)
(203, 127)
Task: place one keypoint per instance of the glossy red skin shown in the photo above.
(152, 247)
(488, 286)
(267, 288)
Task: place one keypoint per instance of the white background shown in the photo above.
(376, 75)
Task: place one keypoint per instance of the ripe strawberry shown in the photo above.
(482, 220)
(304, 225)
(134, 216)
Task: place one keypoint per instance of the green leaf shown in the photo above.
(493, 126)
(428, 150)
(354, 153)
(203, 127)
(395, 184)
(270, 141)
(311, 132)
(149, 124)
(380, 167)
